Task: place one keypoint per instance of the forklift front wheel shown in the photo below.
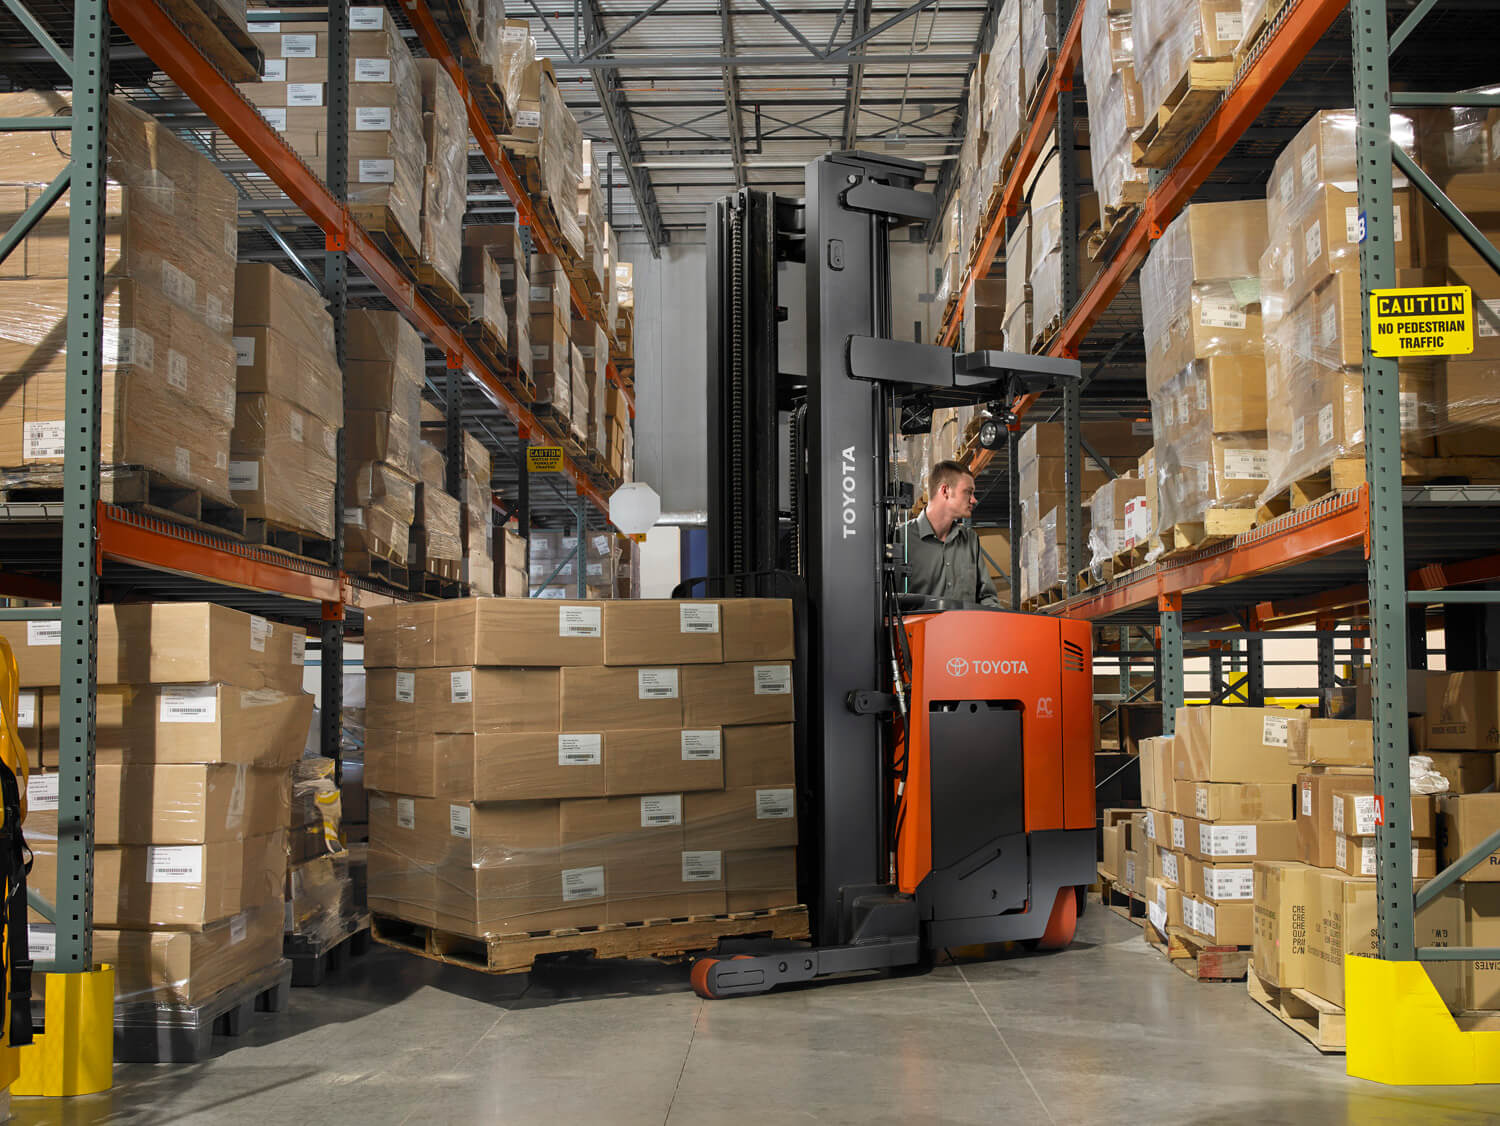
(1062, 922)
(700, 979)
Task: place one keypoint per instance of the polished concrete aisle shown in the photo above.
(1105, 1032)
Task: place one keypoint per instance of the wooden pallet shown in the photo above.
(666, 939)
(1347, 473)
(288, 540)
(1105, 238)
(381, 224)
(223, 41)
(1096, 574)
(487, 95)
(1217, 525)
(485, 340)
(136, 488)
(1121, 900)
(1202, 960)
(1183, 111)
(1250, 42)
(370, 565)
(1319, 1022)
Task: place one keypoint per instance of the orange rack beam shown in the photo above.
(156, 33)
(1336, 524)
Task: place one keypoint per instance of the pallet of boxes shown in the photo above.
(554, 564)
(201, 716)
(383, 443)
(552, 345)
(167, 315)
(1206, 373)
(324, 923)
(495, 253)
(1219, 798)
(1184, 57)
(1123, 863)
(435, 551)
(1312, 912)
(612, 777)
(1116, 114)
(387, 152)
(1043, 481)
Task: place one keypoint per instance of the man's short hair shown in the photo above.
(947, 473)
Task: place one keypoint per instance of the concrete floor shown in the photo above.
(1105, 1032)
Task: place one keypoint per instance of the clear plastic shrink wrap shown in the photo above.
(1311, 289)
(1205, 365)
(387, 154)
(200, 719)
(584, 799)
(445, 186)
(168, 302)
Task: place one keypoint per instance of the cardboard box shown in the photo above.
(508, 767)
(1156, 756)
(1224, 924)
(624, 699)
(400, 886)
(170, 643)
(593, 830)
(519, 633)
(1355, 813)
(185, 887)
(1481, 978)
(1235, 801)
(1316, 793)
(664, 885)
(737, 694)
(1463, 711)
(757, 629)
(1283, 893)
(1112, 845)
(1343, 923)
(1468, 772)
(431, 831)
(1336, 742)
(763, 755)
(756, 879)
(1355, 856)
(663, 761)
(1133, 869)
(1219, 883)
(182, 804)
(1221, 744)
(1467, 819)
(463, 700)
(1244, 841)
(662, 632)
(736, 820)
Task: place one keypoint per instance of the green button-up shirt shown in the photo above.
(951, 568)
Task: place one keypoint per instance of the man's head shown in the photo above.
(950, 491)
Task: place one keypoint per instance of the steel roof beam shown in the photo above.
(715, 62)
(622, 129)
(856, 77)
(732, 93)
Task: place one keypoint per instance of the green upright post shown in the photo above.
(1386, 563)
(1169, 669)
(80, 578)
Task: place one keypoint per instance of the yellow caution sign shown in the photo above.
(1430, 321)
(544, 459)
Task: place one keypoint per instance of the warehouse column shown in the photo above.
(1169, 662)
(1255, 671)
(80, 580)
(1327, 666)
(1013, 510)
(1067, 156)
(336, 294)
(1386, 554)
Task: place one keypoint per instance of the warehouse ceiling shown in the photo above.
(704, 98)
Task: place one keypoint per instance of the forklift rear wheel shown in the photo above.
(1062, 922)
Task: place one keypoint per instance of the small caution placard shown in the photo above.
(543, 459)
(1432, 321)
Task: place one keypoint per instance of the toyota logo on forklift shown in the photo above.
(958, 666)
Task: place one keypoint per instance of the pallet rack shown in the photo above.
(65, 550)
(1382, 552)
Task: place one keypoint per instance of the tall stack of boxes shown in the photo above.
(483, 290)
(1309, 278)
(437, 531)
(550, 764)
(387, 154)
(511, 569)
(478, 517)
(551, 344)
(1116, 112)
(168, 254)
(201, 715)
(284, 446)
(554, 564)
(1113, 524)
(1170, 34)
(382, 435)
(445, 175)
(1205, 361)
(590, 212)
(592, 346)
(548, 128)
(617, 420)
(1042, 466)
(502, 243)
(625, 306)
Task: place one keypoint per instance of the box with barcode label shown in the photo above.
(741, 693)
(1224, 744)
(185, 804)
(663, 631)
(656, 885)
(649, 761)
(748, 818)
(592, 829)
(470, 700)
(627, 698)
(1240, 840)
(516, 633)
(1317, 795)
(1235, 801)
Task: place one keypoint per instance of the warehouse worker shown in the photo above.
(944, 552)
